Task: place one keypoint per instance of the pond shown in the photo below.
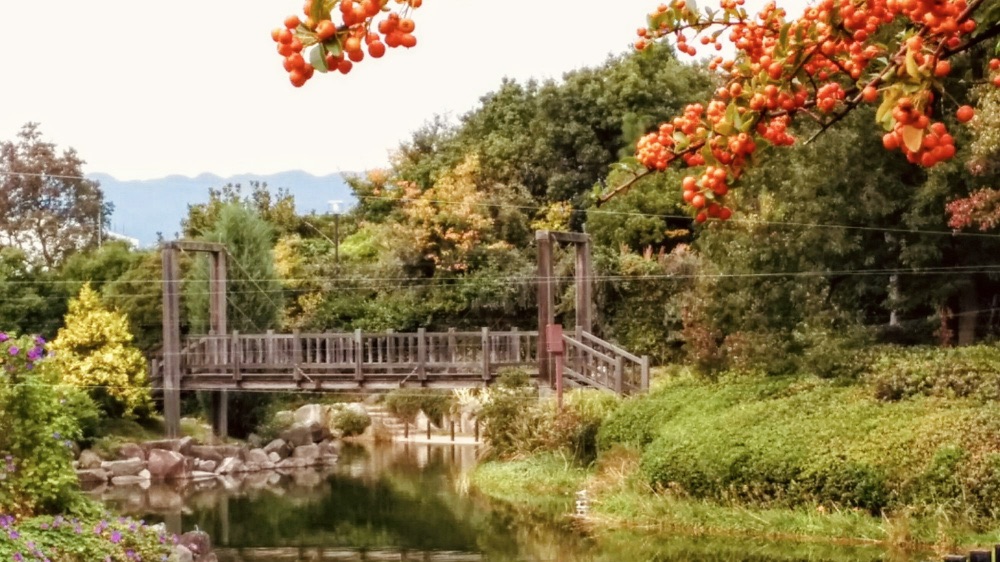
(411, 502)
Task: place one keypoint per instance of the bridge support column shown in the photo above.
(220, 414)
(171, 341)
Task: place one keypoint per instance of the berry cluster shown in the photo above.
(338, 46)
(820, 65)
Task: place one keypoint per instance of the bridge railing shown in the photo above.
(419, 356)
(591, 361)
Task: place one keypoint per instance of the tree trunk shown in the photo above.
(968, 304)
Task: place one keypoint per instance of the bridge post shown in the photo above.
(422, 355)
(584, 285)
(359, 355)
(171, 340)
(545, 302)
(486, 354)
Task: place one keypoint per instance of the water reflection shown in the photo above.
(407, 502)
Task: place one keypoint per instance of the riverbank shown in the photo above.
(796, 457)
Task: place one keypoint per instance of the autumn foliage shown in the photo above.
(837, 55)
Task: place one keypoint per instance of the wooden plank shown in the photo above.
(644, 373)
(569, 237)
(619, 374)
(196, 246)
(584, 284)
(237, 352)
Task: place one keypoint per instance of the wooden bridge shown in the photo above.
(351, 361)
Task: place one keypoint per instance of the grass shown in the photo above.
(793, 458)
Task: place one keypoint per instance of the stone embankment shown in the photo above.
(307, 443)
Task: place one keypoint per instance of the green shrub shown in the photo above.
(349, 421)
(510, 415)
(803, 441)
(69, 539)
(588, 408)
(406, 403)
(974, 371)
(37, 430)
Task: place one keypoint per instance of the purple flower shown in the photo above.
(116, 536)
(4, 337)
(14, 535)
(18, 557)
(39, 341)
(13, 350)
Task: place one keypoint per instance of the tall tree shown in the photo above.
(47, 208)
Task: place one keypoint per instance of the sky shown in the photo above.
(146, 89)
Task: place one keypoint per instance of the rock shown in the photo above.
(214, 452)
(329, 460)
(131, 451)
(308, 452)
(145, 474)
(206, 466)
(89, 459)
(329, 447)
(229, 465)
(312, 413)
(127, 480)
(278, 447)
(269, 465)
(251, 467)
(255, 441)
(202, 475)
(273, 457)
(180, 554)
(182, 445)
(130, 467)
(256, 456)
(298, 435)
(198, 542)
(92, 476)
(292, 463)
(166, 465)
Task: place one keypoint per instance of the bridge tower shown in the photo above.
(583, 278)
(170, 255)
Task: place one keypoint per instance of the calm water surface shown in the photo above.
(409, 502)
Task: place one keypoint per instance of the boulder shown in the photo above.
(309, 452)
(182, 445)
(88, 459)
(127, 480)
(90, 477)
(251, 467)
(214, 452)
(180, 554)
(312, 413)
(274, 457)
(255, 441)
(198, 542)
(205, 466)
(292, 463)
(145, 474)
(329, 447)
(130, 467)
(298, 435)
(202, 475)
(131, 451)
(257, 456)
(279, 447)
(229, 465)
(166, 465)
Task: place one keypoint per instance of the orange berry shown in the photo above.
(292, 21)
(376, 49)
(943, 68)
(965, 114)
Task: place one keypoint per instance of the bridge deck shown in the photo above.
(359, 360)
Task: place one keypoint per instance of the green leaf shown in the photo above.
(911, 65)
(308, 38)
(884, 113)
(783, 36)
(317, 58)
(333, 47)
(912, 137)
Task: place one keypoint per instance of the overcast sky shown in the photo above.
(145, 89)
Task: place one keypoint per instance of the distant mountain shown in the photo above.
(145, 207)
